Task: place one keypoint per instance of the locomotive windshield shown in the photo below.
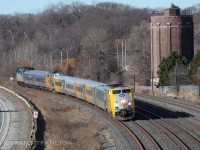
(116, 91)
(123, 91)
(126, 91)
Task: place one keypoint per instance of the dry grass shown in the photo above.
(66, 126)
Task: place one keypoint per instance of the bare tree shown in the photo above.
(139, 52)
(94, 46)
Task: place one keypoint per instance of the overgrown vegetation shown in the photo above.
(193, 68)
(167, 64)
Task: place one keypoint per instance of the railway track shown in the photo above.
(146, 140)
(169, 101)
(128, 133)
(131, 138)
(174, 114)
(178, 135)
(184, 126)
(186, 105)
(167, 132)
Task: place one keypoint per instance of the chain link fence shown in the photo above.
(179, 85)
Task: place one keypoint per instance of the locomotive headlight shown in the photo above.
(123, 101)
(116, 105)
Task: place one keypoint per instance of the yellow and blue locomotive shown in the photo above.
(116, 99)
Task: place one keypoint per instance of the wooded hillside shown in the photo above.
(88, 35)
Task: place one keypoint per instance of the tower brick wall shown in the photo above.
(171, 32)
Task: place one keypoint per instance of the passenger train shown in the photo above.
(116, 99)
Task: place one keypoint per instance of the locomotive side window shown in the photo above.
(126, 91)
(116, 91)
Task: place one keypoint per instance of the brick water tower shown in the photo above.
(170, 32)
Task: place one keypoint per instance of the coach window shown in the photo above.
(79, 89)
(89, 92)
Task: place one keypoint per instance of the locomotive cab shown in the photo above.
(19, 74)
(123, 102)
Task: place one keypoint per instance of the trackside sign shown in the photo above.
(35, 114)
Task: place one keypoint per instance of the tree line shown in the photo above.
(84, 38)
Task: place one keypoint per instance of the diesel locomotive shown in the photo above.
(116, 99)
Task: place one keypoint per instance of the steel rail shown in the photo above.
(156, 145)
(175, 127)
(131, 136)
(171, 135)
(173, 113)
(181, 104)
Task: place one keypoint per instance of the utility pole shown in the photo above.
(117, 56)
(50, 39)
(44, 60)
(199, 79)
(51, 61)
(29, 45)
(152, 88)
(13, 44)
(176, 82)
(50, 51)
(67, 57)
(152, 65)
(68, 50)
(77, 72)
(13, 40)
(122, 55)
(29, 41)
(61, 59)
(125, 54)
(134, 82)
(89, 61)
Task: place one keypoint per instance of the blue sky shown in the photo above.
(34, 6)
